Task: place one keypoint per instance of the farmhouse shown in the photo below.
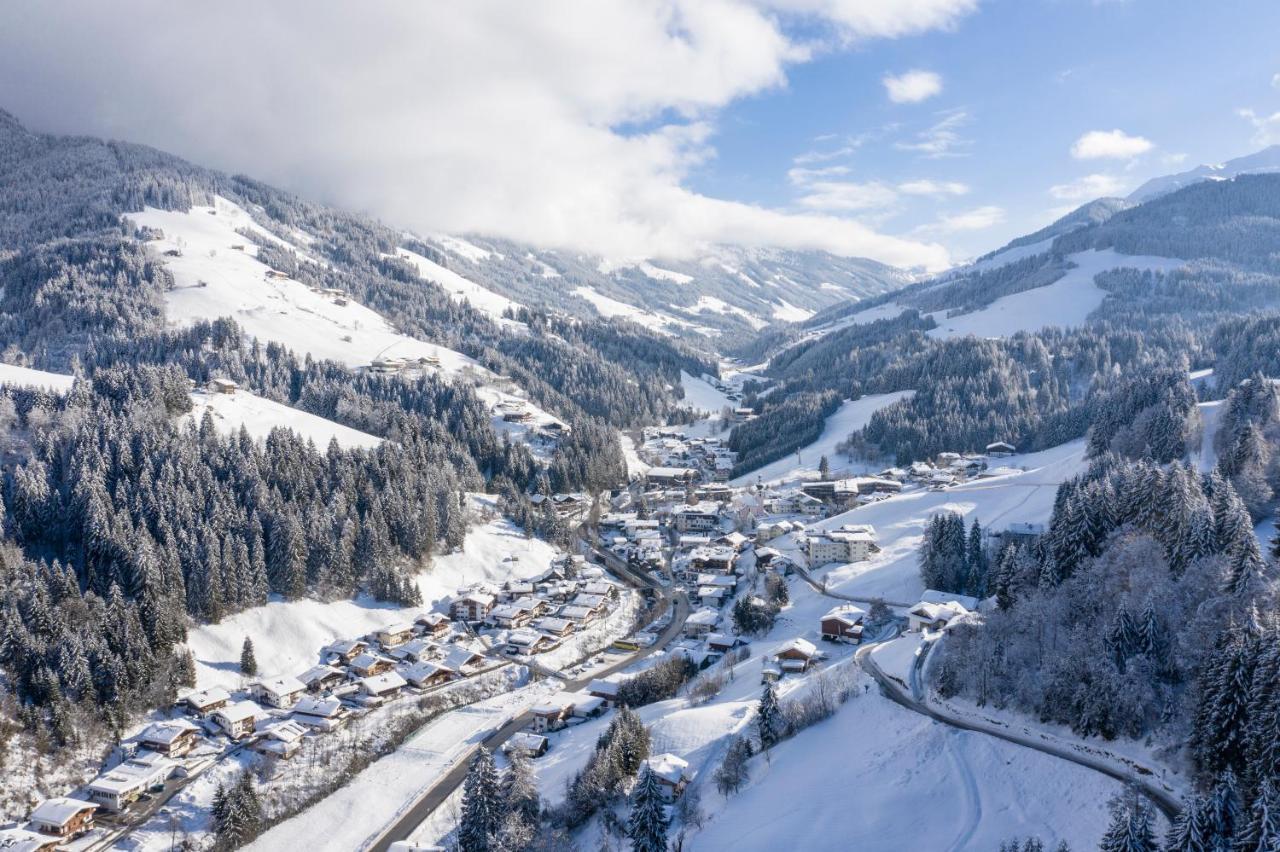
(221, 386)
(843, 624)
(346, 650)
(428, 674)
(323, 714)
(63, 817)
(473, 606)
(1000, 449)
(239, 719)
(433, 624)
(384, 686)
(320, 678)
(208, 700)
(173, 739)
(936, 611)
(281, 692)
(395, 634)
(368, 665)
(797, 655)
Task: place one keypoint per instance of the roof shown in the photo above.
(934, 596)
(669, 768)
(527, 740)
(204, 698)
(384, 682)
(318, 673)
(801, 646)
(166, 732)
(398, 627)
(363, 661)
(555, 704)
(671, 471)
(284, 730)
(456, 656)
(426, 669)
(603, 687)
(21, 840)
(282, 685)
(846, 614)
(525, 636)
(240, 711)
(705, 616)
(60, 810)
(324, 707)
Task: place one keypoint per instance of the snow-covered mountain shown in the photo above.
(1264, 161)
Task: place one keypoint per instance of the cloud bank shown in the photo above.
(572, 124)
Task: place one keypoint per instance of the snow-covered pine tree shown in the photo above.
(481, 804)
(768, 717)
(1130, 829)
(248, 662)
(648, 823)
(1260, 831)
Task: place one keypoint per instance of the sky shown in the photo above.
(916, 132)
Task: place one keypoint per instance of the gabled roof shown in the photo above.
(322, 707)
(166, 732)
(240, 711)
(60, 810)
(669, 768)
(846, 614)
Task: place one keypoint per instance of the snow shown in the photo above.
(1210, 414)
(1008, 256)
(851, 416)
(259, 416)
(659, 274)
(701, 395)
(464, 249)
(635, 465)
(29, 378)
(213, 280)
(609, 308)
(714, 305)
(459, 288)
(788, 312)
(1066, 302)
(288, 635)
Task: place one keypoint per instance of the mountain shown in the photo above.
(1264, 161)
(727, 291)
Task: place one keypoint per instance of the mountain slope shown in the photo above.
(1265, 161)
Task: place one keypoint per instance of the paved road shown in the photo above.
(434, 797)
(1141, 777)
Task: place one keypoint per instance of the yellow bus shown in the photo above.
(626, 645)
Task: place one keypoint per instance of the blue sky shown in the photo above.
(1029, 78)
(660, 128)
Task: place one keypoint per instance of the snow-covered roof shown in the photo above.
(59, 810)
(846, 614)
(282, 686)
(323, 707)
(603, 687)
(705, 616)
(240, 711)
(933, 596)
(801, 646)
(669, 768)
(316, 674)
(166, 732)
(384, 682)
(204, 698)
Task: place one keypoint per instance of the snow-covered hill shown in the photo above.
(1260, 162)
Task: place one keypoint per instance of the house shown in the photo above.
(527, 641)
(206, 701)
(1000, 450)
(427, 674)
(22, 840)
(850, 543)
(937, 610)
(281, 738)
(588, 706)
(606, 690)
(722, 643)
(323, 714)
(670, 476)
(702, 517)
(118, 788)
(239, 719)
(554, 626)
(1022, 532)
(221, 386)
(434, 624)
(797, 655)
(172, 738)
(460, 659)
(934, 596)
(346, 650)
(472, 606)
(320, 678)
(280, 692)
(843, 624)
(384, 364)
(735, 540)
(700, 623)
(368, 665)
(62, 817)
(384, 686)
(712, 596)
(507, 616)
(672, 772)
(552, 713)
(533, 745)
(394, 634)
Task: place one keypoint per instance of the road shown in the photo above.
(1141, 778)
(440, 792)
(822, 590)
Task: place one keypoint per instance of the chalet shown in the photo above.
(595, 603)
(226, 386)
(588, 706)
(383, 364)
(320, 678)
(765, 556)
(346, 650)
(552, 713)
(850, 543)
(22, 840)
(118, 788)
(281, 692)
(577, 614)
(386, 685)
(425, 675)
(554, 626)
(515, 589)
(533, 745)
(281, 738)
(702, 517)
(602, 588)
(206, 701)
(368, 665)
(700, 623)
(713, 560)
(507, 616)
(670, 476)
(322, 714)
(460, 659)
(1000, 450)
(395, 634)
(937, 610)
(712, 596)
(434, 624)
(239, 719)
(415, 650)
(1022, 532)
(62, 817)
(673, 774)
(516, 414)
(797, 655)
(722, 643)
(472, 606)
(172, 738)
(808, 505)
(527, 642)
(843, 624)
(605, 690)
(735, 540)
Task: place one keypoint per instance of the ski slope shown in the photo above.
(28, 378)
(851, 416)
(259, 416)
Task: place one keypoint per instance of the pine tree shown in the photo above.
(824, 468)
(481, 804)
(976, 559)
(1261, 831)
(648, 823)
(1191, 831)
(769, 717)
(1130, 829)
(248, 662)
(519, 789)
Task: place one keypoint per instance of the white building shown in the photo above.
(850, 543)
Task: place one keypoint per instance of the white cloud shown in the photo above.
(943, 139)
(1275, 81)
(1266, 128)
(977, 219)
(571, 123)
(1088, 187)
(933, 187)
(912, 87)
(1109, 144)
(848, 196)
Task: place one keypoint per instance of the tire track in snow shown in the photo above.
(973, 800)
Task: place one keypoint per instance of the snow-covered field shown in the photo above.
(848, 418)
(288, 635)
(701, 395)
(29, 378)
(259, 416)
(1066, 302)
(462, 289)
